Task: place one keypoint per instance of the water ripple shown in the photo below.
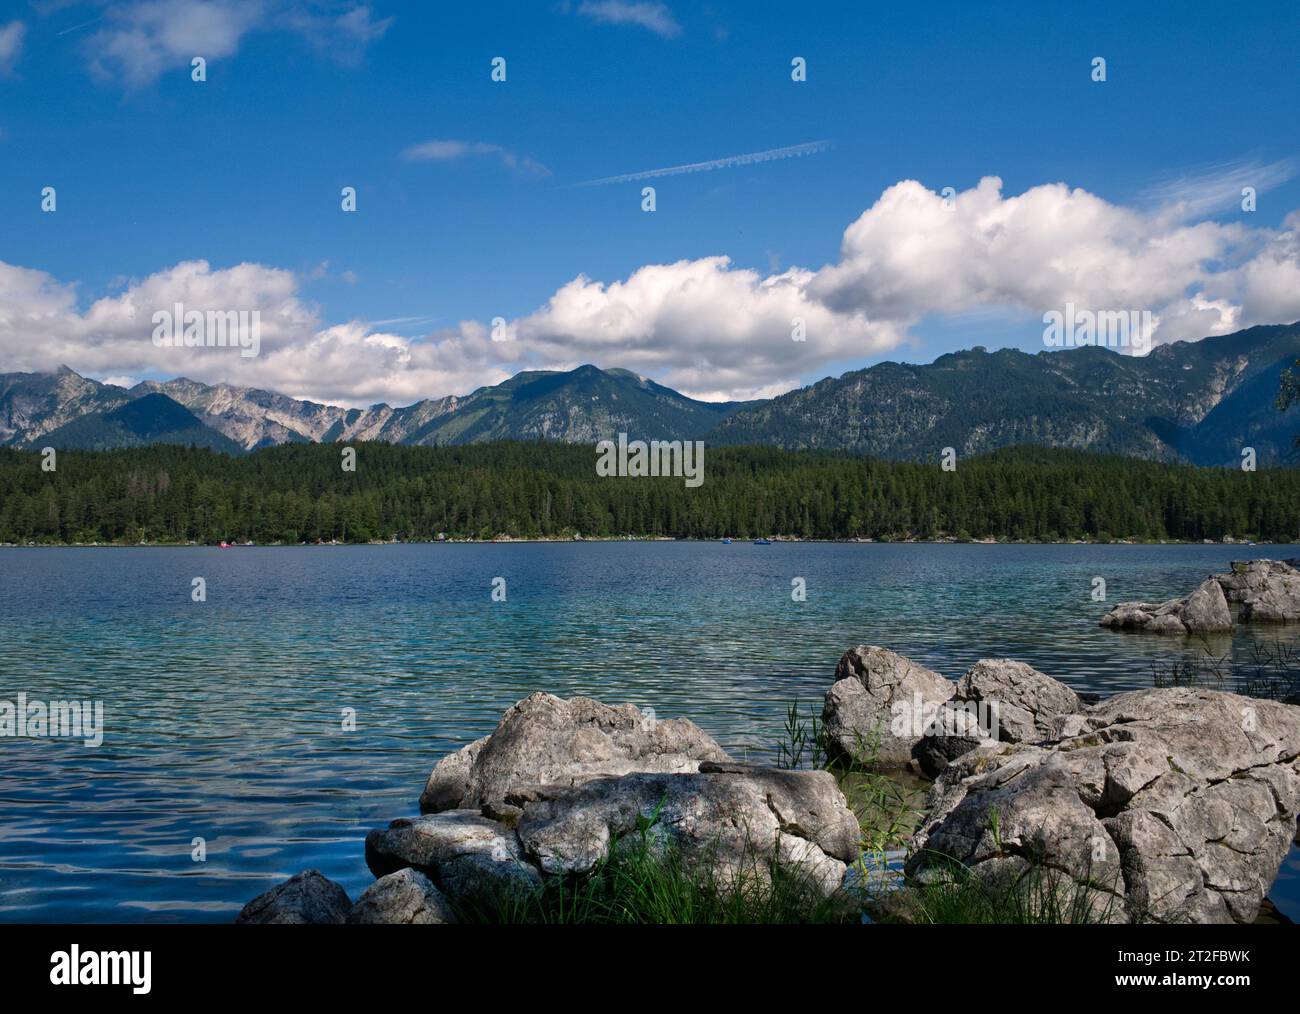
(224, 718)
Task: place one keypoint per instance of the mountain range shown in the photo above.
(1199, 401)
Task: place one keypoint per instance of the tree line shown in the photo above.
(301, 493)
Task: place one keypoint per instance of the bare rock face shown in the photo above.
(544, 740)
(406, 898)
(305, 898)
(1267, 590)
(1204, 611)
(470, 858)
(1175, 804)
(1028, 705)
(880, 703)
(729, 820)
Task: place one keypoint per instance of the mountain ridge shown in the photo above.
(152, 418)
(1199, 401)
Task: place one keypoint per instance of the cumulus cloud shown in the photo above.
(138, 42)
(915, 253)
(706, 326)
(11, 45)
(649, 14)
(702, 326)
(41, 328)
(455, 151)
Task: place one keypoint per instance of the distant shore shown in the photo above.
(773, 539)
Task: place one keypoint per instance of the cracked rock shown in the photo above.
(880, 707)
(1177, 804)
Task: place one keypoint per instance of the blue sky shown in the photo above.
(154, 170)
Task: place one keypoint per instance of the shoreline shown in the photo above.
(773, 539)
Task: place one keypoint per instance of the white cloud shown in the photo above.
(342, 36)
(912, 254)
(455, 151)
(702, 326)
(11, 45)
(705, 326)
(141, 41)
(648, 14)
(41, 328)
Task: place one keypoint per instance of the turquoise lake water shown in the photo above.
(223, 718)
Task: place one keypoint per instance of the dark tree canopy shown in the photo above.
(299, 493)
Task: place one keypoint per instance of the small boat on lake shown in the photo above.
(726, 542)
(762, 542)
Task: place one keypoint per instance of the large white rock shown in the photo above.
(544, 740)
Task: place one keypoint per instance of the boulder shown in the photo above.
(877, 710)
(1025, 705)
(1267, 590)
(934, 753)
(406, 897)
(472, 859)
(1176, 804)
(1204, 611)
(305, 898)
(544, 740)
(726, 821)
(956, 730)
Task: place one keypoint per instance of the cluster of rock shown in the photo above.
(886, 711)
(551, 790)
(1265, 591)
(1170, 804)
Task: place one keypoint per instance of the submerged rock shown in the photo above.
(406, 897)
(544, 740)
(878, 709)
(1175, 804)
(305, 898)
(1204, 611)
(1267, 590)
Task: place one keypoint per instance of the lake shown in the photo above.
(223, 717)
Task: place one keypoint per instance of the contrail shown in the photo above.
(84, 24)
(772, 154)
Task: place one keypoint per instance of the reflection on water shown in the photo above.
(223, 718)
